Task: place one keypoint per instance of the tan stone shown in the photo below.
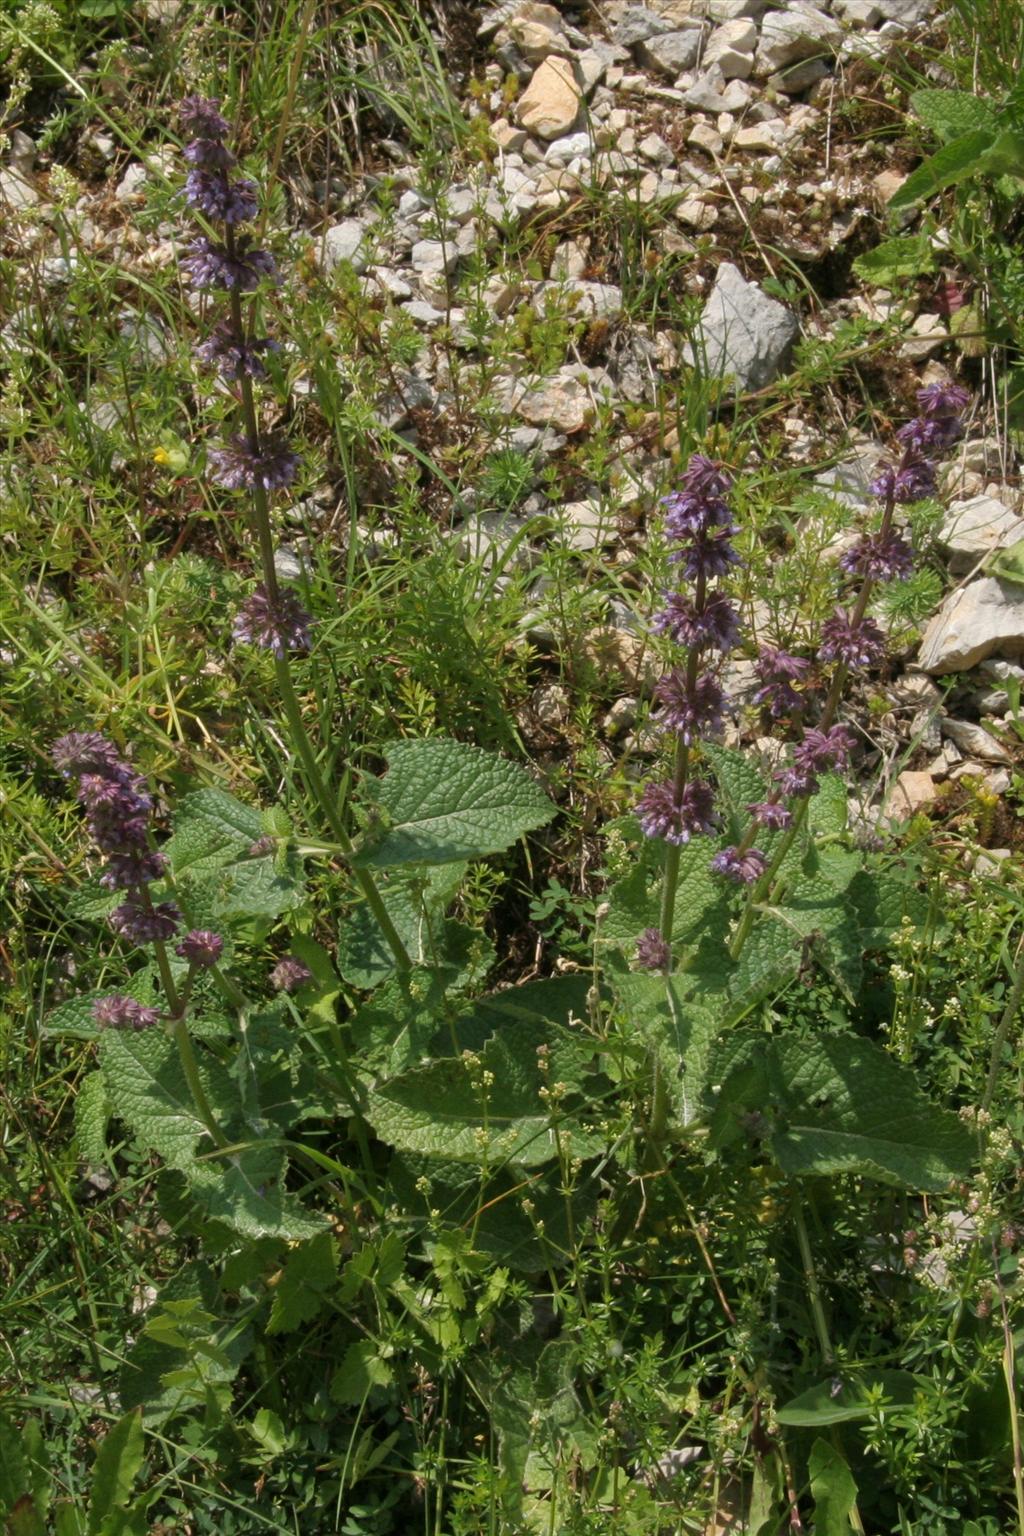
(551, 102)
(913, 792)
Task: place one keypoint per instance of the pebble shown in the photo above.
(550, 104)
(746, 337)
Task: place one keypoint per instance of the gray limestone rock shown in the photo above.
(972, 529)
(346, 242)
(744, 335)
(982, 619)
(672, 52)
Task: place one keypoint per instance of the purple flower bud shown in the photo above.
(930, 434)
(201, 947)
(200, 115)
(706, 477)
(778, 672)
(879, 557)
(823, 749)
(235, 357)
(218, 196)
(289, 973)
(938, 400)
(715, 625)
(708, 555)
(795, 783)
(212, 265)
(120, 1012)
(239, 467)
(676, 819)
(855, 643)
(140, 923)
(691, 711)
(138, 866)
(744, 868)
(280, 625)
(262, 846)
(652, 952)
(210, 154)
(770, 813)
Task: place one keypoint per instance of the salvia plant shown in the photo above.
(283, 1102)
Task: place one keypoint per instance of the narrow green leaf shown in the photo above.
(24, 1518)
(443, 801)
(951, 164)
(836, 1401)
(117, 1465)
(309, 1272)
(833, 1488)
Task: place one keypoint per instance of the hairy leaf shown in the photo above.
(209, 852)
(310, 1272)
(890, 264)
(842, 1401)
(416, 901)
(951, 164)
(245, 1190)
(949, 114)
(443, 801)
(117, 1465)
(92, 1115)
(146, 1088)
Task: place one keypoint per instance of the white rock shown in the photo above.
(565, 401)
(16, 194)
(654, 148)
(537, 32)
(551, 102)
(763, 136)
(977, 621)
(346, 242)
(585, 525)
(569, 260)
(434, 256)
(791, 35)
(731, 46)
(707, 138)
(729, 10)
(595, 301)
(912, 792)
(927, 335)
(975, 740)
(972, 529)
(506, 136)
(744, 334)
(561, 151)
(637, 24)
(861, 14)
(696, 213)
(672, 52)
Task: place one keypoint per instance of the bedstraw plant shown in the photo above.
(372, 1155)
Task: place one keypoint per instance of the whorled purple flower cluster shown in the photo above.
(780, 673)
(201, 947)
(277, 624)
(652, 952)
(290, 972)
(120, 1012)
(240, 467)
(118, 808)
(676, 816)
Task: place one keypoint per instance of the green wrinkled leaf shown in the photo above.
(443, 801)
(833, 1489)
(447, 1108)
(93, 901)
(416, 901)
(245, 1190)
(950, 114)
(839, 1104)
(117, 1465)
(836, 1401)
(895, 261)
(146, 1088)
(681, 1030)
(310, 1272)
(953, 163)
(209, 853)
(92, 1115)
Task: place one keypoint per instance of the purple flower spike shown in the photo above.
(120, 1012)
(778, 672)
(235, 357)
(708, 555)
(279, 626)
(143, 924)
(744, 868)
(87, 752)
(239, 467)
(795, 783)
(212, 265)
(200, 115)
(857, 644)
(692, 711)
(217, 196)
(824, 749)
(879, 557)
(210, 154)
(652, 953)
(289, 973)
(133, 868)
(706, 477)
(715, 625)
(689, 515)
(930, 434)
(201, 947)
(771, 814)
(661, 814)
(912, 480)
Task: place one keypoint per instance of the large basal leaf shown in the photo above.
(833, 1489)
(117, 1465)
(487, 1106)
(738, 779)
(441, 801)
(838, 1104)
(209, 852)
(245, 1190)
(416, 901)
(146, 1088)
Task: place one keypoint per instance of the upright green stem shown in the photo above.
(190, 1067)
(286, 688)
(670, 880)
